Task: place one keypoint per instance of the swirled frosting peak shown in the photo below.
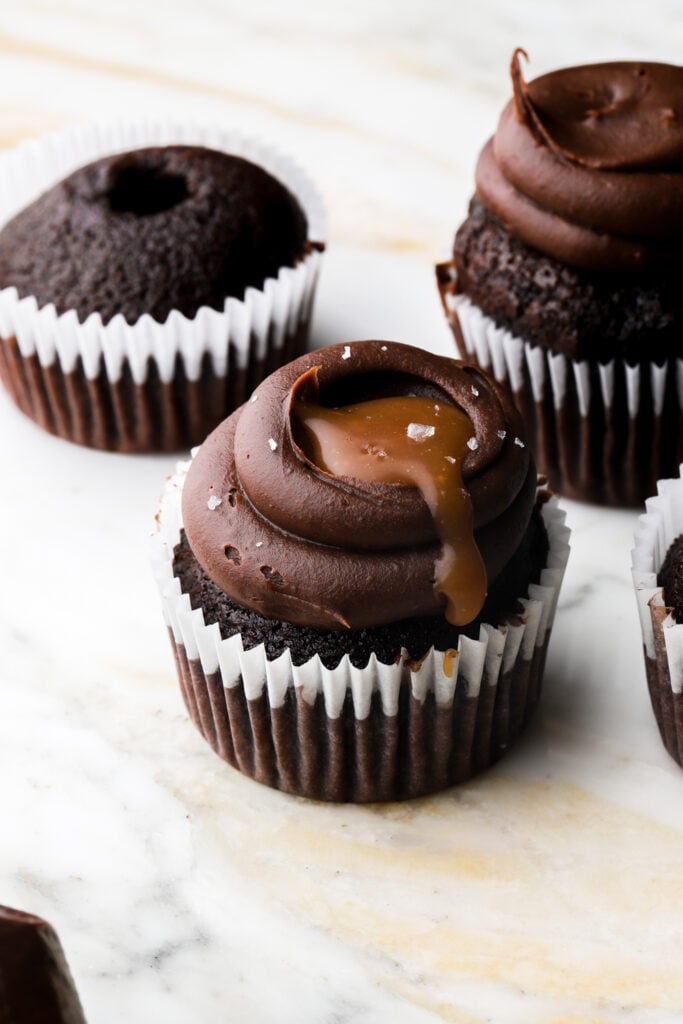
(587, 164)
(297, 531)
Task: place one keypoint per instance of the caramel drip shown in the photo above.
(416, 441)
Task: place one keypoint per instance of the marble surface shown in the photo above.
(546, 892)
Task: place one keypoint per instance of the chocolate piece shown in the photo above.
(150, 231)
(35, 983)
(291, 542)
(587, 165)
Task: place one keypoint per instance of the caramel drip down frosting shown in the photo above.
(587, 164)
(409, 440)
(294, 533)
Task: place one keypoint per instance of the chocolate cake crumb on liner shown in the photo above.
(584, 420)
(383, 732)
(657, 529)
(148, 385)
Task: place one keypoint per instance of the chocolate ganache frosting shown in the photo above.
(287, 538)
(587, 164)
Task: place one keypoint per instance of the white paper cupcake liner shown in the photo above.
(656, 532)
(479, 676)
(265, 316)
(601, 432)
(657, 529)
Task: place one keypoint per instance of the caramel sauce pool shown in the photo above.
(417, 441)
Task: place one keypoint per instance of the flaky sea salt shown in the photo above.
(519, 442)
(273, 444)
(253, 397)
(502, 434)
(450, 458)
(475, 391)
(213, 502)
(258, 544)
(346, 354)
(473, 444)
(420, 431)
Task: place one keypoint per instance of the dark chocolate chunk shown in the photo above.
(35, 983)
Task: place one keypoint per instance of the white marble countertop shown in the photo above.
(545, 892)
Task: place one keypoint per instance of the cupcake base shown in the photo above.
(601, 432)
(128, 416)
(300, 749)
(349, 733)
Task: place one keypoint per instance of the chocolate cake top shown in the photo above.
(586, 164)
(284, 536)
(150, 231)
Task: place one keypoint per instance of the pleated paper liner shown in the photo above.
(383, 732)
(149, 386)
(599, 432)
(662, 634)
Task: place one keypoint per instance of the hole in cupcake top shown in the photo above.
(144, 190)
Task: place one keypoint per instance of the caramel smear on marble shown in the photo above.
(417, 441)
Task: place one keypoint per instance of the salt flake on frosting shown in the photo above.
(258, 544)
(519, 442)
(420, 431)
(273, 444)
(450, 458)
(254, 397)
(213, 502)
(475, 391)
(502, 434)
(472, 444)
(346, 354)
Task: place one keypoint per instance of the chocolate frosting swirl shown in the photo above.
(587, 164)
(285, 538)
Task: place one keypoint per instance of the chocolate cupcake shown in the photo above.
(658, 578)
(144, 296)
(359, 575)
(35, 982)
(565, 277)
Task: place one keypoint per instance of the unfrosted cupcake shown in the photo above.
(359, 575)
(565, 278)
(658, 578)
(144, 295)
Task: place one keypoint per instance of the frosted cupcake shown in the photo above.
(565, 278)
(359, 576)
(658, 578)
(143, 296)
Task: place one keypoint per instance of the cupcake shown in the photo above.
(658, 578)
(565, 277)
(35, 982)
(144, 295)
(359, 575)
